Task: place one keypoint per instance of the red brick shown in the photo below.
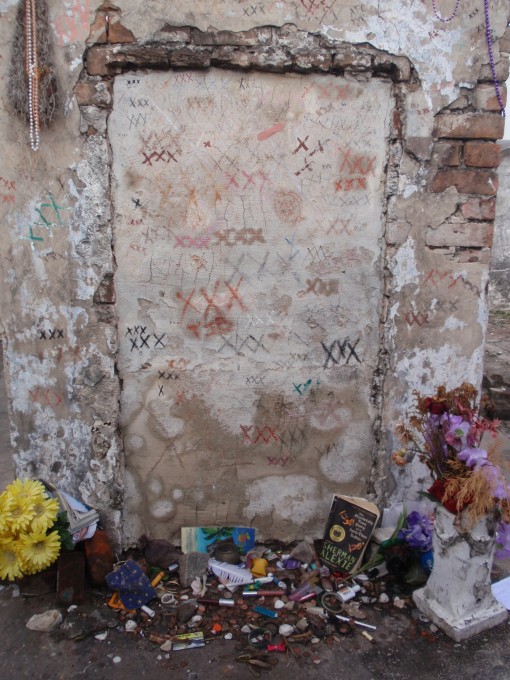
(466, 181)
(93, 93)
(446, 153)
(479, 209)
(469, 126)
(188, 59)
(484, 97)
(501, 67)
(482, 154)
(97, 33)
(466, 255)
(98, 60)
(464, 234)
(117, 33)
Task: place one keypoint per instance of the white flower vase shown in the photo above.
(458, 596)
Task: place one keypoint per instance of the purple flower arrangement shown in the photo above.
(445, 431)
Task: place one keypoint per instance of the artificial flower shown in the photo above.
(456, 431)
(5, 503)
(11, 565)
(399, 457)
(39, 549)
(432, 406)
(472, 456)
(502, 541)
(494, 478)
(19, 514)
(418, 531)
(45, 513)
(29, 489)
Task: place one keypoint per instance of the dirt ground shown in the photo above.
(404, 645)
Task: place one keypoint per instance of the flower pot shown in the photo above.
(458, 596)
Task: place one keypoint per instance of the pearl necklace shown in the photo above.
(32, 70)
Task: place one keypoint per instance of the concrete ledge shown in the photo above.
(460, 629)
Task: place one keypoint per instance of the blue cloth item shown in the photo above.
(132, 585)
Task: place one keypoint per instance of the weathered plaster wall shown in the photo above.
(499, 292)
(67, 357)
(248, 237)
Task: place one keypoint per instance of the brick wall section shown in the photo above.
(466, 156)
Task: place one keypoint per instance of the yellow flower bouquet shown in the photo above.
(32, 529)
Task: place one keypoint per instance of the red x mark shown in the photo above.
(246, 436)
(232, 180)
(249, 178)
(187, 302)
(234, 295)
(211, 304)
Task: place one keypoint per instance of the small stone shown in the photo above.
(117, 659)
(166, 646)
(400, 604)
(366, 600)
(101, 636)
(278, 604)
(302, 624)
(383, 598)
(286, 629)
(246, 629)
(130, 626)
(72, 608)
(228, 636)
(46, 621)
(433, 628)
(315, 640)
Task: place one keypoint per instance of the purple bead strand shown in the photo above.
(488, 33)
(452, 16)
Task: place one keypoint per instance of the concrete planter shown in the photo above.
(457, 596)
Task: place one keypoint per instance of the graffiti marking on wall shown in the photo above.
(342, 346)
(237, 344)
(46, 397)
(252, 434)
(435, 277)
(319, 287)
(51, 334)
(282, 461)
(164, 156)
(418, 318)
(139, 338)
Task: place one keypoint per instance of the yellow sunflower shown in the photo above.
(5, 503)
(45, 513)
(25, 489)
(18, 514)
(11, 564)
(38, 550)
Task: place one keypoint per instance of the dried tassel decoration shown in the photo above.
(33, 88)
